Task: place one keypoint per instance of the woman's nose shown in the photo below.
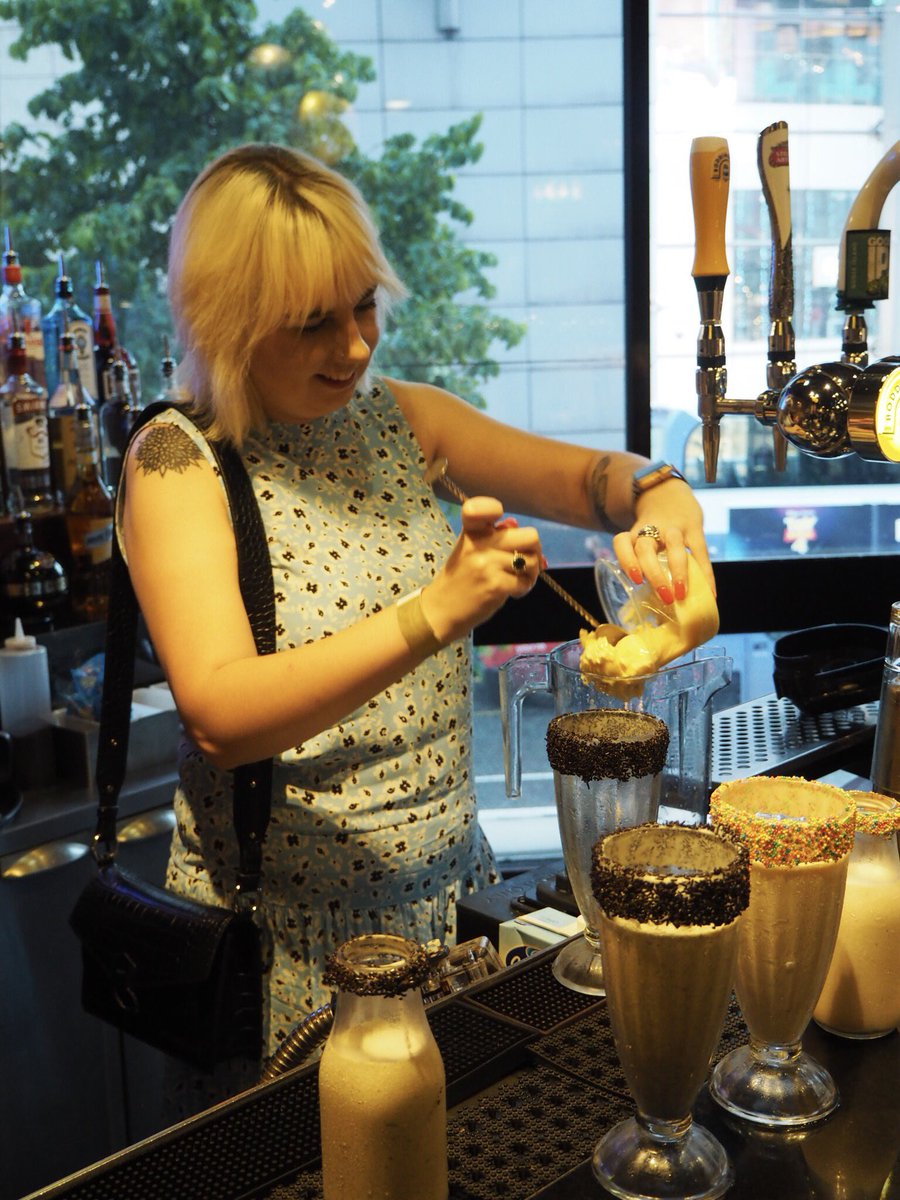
(353, 345)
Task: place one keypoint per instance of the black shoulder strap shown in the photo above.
(253, 781)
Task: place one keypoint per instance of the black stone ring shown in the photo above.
(519, 562)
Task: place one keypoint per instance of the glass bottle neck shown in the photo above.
(876, 851)
(392, 1014)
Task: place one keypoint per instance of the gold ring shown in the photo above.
(651, 531)
(519, 562)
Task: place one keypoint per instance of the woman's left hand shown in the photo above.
(668, 517)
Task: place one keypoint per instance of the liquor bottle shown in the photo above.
(33, 584)
(116, 419)
(66, 315)
(134, 375)
(105, 336)
(90, 516)
(20, 313)
(169, 389)
(69, 396)
(26, 445)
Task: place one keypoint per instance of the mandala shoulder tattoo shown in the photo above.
(166, 448)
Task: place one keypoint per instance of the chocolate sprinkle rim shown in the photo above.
(711, 897)
(774, 841)
(371, 979)
(598, 755)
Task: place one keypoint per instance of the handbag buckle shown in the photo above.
(247, 904)
(103, 849)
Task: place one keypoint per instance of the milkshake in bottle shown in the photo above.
(382, 1092)
(861, 996)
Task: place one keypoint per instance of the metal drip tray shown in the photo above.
(771, 736)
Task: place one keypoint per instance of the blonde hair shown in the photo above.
(265, 237)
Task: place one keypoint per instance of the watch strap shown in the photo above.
(652, 475)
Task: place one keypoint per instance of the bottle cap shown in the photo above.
(20, 640)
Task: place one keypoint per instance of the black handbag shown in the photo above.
(181, 976)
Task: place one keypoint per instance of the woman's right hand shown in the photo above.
(480, 575)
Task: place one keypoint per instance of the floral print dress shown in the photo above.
(373, 822)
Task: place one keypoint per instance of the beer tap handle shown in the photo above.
(710, 169)
(773, 160)
(710, 174)
(774, 173)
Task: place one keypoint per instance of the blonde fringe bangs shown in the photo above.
(250, 264)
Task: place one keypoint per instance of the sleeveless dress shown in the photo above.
(373, 825)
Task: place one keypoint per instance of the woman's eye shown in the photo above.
(310, 326)
(369, 302)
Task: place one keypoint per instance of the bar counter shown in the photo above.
(532, 1082)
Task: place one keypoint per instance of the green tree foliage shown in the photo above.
(160, 87)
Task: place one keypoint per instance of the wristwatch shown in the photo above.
(651, 475)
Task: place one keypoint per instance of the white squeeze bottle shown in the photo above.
(24, 684)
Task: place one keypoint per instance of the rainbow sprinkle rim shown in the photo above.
(876, 815)
(783, 827)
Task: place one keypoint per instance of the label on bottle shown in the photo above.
(90, 538)
(63, 451)
(26, 443)
(83, 337)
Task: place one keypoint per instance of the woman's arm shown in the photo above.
(559, 481)
(238, 706)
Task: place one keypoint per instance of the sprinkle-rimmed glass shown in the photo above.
(798, 835)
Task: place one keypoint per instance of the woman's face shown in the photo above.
(304, 373)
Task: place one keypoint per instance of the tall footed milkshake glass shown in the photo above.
(799, 836)
(382, 1090)
(607, 766)
(671, 899)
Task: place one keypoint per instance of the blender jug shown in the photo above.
(678, 694)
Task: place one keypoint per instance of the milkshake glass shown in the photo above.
(672, 899)
(799, 836)
(607, 766)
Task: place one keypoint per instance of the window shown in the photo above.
(731, 71)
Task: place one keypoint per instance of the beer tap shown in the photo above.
(710, 171)
(773, 161)
(827, 410)
(710, 175)
(865, 257)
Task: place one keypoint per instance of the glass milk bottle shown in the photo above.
(861, 994)
(886, 755)
(382, 1091)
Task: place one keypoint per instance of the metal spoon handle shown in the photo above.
(437, 473)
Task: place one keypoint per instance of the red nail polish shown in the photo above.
(544, 563)
(680, 589)
(665, 594)
(636, 575)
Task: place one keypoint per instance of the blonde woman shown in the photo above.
(278, 286)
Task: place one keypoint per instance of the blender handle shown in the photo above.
(520, 677)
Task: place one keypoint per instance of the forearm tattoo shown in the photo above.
(599, 487)
(167, 448)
